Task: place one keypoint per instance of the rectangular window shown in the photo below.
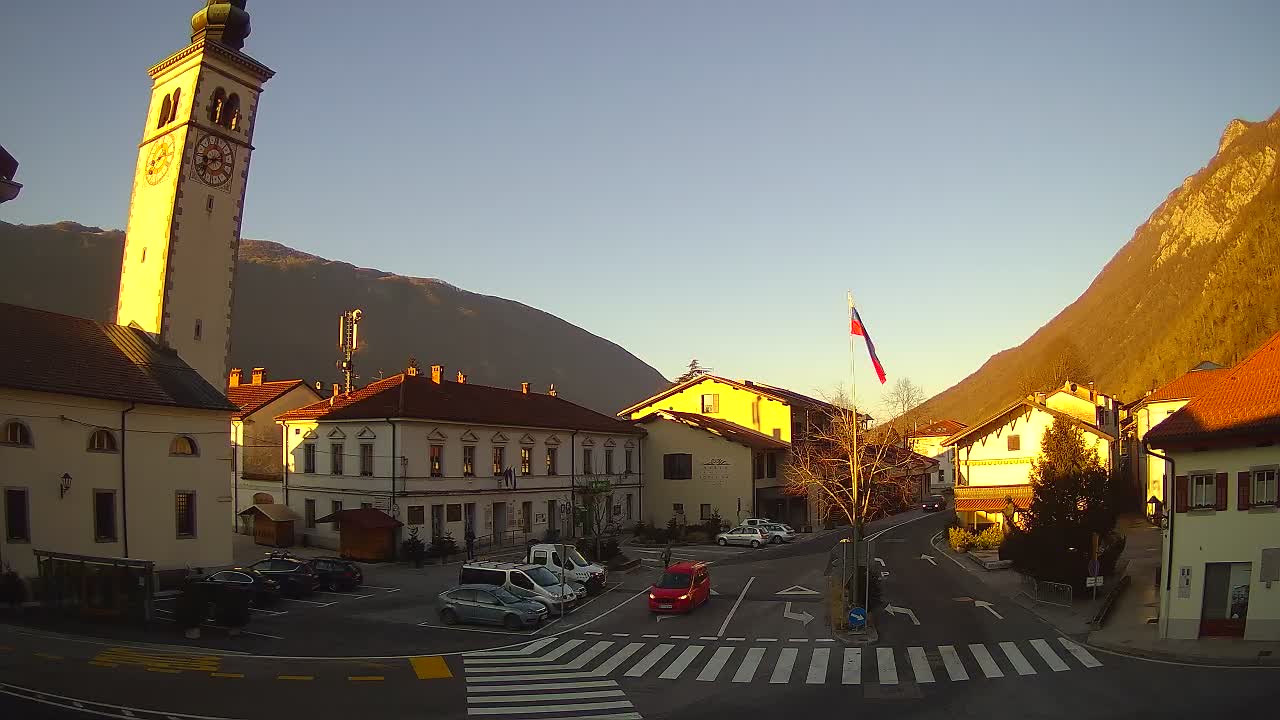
(17, 517)
(309, 512)
(629, 508)
(453, 512)
(366, 506)
(1204, 494)
(437, 461)
(586, 461)
(1015, 443)
(677, 466)
(551, 461)
(758, 463)
(608, 461)
(711, 403)
(335, 507)
(366, 459)
(468, 460)
(771, 465)
(308, 457)
(704, 511)
(335, 458)
(626, 460)
(104, 515)
(499, 460)
(677, 508)
(185, 513)
(417, 514)
(1264, 487)
(526, 461)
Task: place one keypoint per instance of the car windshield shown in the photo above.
(505, 597)
(674, 581)
(573, 554)
(542, 576)
(935, 498)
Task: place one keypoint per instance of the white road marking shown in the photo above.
(581, 661)
(800, 640)
(1016, 657)
(645, 665)
(766, 639)
(888, 668)
(725, 625)
(851, 669)
(502, 658)
(782, 668)
(308, 602)
(519, 709)
(741, 639)
(269, 612)
(530, 678)
(1048, 655)
(709, 637)
(951, 659)
(592, 632)
(985, 661)
(920, 665)
(622, 635)
(679, 637)
(747, 669)
(542, 686)
(643, 636)
(716, 663)
(1080, 653)
(528, 649)
(618, 658)
(549, 696)
(818, 666)
(675, 669)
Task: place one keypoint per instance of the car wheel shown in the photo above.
(334, 586)
(722, 541)
(511, 622)
(755, 543)
(448, 616)
(776, 540)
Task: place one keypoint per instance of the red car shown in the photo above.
(683, 587)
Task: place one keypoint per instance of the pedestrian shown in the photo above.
(666, 556)
(471, 544)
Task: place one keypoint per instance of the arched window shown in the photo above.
(17, 433)
(183, 445)
(101, 440)
(173, 111)
(231, 117)
(165, 108)
(263, 499)
(217, 106)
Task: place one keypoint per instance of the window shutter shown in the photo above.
(1180, 493)
(1220, 485)
(1242, 490)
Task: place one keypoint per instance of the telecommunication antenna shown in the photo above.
(348, 325)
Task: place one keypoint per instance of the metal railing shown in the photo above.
(1049, 593)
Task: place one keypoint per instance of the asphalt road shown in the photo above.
(761, 644)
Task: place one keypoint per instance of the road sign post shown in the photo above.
(857, 618)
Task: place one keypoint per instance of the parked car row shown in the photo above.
(757, 532)
(519, 595)
(282, 574)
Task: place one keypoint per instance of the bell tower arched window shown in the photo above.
(232, 115)
(173, 110)
(166, 107)
(217, 106)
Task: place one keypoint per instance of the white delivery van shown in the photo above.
(576, 567)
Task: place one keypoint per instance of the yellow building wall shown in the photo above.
(1073, 405)
(1150, 468)
(748, 409)
(1211, 536)
(989, 461)
(722, 473)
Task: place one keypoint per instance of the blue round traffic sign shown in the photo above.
(857, 617)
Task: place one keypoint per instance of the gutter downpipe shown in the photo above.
(392, 504)
(573, 484)
(124, 485)
(1168, 572)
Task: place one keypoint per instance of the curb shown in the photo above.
(1167, 656)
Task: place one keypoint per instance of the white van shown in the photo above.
(575, 566)
(528, 581)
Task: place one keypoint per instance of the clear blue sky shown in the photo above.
(686, 179)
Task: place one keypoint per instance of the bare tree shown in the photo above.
(1060, 361)
(903, 397)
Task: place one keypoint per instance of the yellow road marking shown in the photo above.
(48, 656)
(430, 667)
(365, 678)
(102, 664)
(226, 675)
(170, 671)
(155, 659)
(295, 677)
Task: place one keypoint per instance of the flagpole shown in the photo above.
(856, 459)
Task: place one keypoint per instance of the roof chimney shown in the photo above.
(1040, 398)
(233, 380)
(436, 372)
(259, 375)
(552, 390)
(319, 386)
(524, 388)
(462, 378)
(1093, 392)
(412, 368)
(336, 389)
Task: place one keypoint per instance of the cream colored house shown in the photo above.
(993, 459)
(1221, 561)
(1150, 411)
(445, 456)
(111, 446)
(930, 441)
(257, 442)
(700, 466)
(1085, 403)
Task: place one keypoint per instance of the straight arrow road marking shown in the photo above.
(802, 616)
(987, 605)
(930, 559)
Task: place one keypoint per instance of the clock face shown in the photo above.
(213, 160)
(158, 159)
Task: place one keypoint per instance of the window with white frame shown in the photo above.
(468, 460)
(711, 403)
(1204, 493)
(308, 457)
(366, 459)
(1264, 487)
(335, 458)
(608, 461)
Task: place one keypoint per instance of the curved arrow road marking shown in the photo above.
(802, 616)
(895, 610)
(930, 559)
(987, 605)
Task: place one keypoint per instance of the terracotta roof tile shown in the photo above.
(417, 397)
(730, 431)
(251, 398)
(1187, 386)
(49, 352)
(939, 428)
(1243, 404)
(361, 518)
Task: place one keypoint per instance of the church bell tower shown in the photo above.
(183, 239)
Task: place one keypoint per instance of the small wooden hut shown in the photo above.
(365, 534)
(272, 523)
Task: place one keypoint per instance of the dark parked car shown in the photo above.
(934, 503)
(336, 574)
(265, 590)
(295, 576)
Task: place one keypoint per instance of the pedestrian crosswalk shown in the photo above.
(528, 683)
(570, 666)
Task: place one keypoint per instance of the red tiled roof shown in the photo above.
(251, 398)
(777, 393)
(1186, 387)
(939, 428)
(417, 397)
(49, 352)
(730, 431)
(361, 518)
(1243, 404)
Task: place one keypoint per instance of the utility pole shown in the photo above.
(348, 325)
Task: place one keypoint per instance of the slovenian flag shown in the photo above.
(856, 327)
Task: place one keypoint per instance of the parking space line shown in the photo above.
(269, 612)
(365, 678)
(309, 602)
(379, 587)
(477, 630)
(348, 596)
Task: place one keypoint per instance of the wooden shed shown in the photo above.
(272, 523)
(365, 534)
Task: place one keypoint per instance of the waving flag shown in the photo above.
(856, 327)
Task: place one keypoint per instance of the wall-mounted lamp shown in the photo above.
(1155, 512)
(65, 486)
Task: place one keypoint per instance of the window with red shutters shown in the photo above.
(1180, 491)
(1220, 481)
(1242, 490)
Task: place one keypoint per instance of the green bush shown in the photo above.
(412, 548)
(12, 591)
(444, 545)
(960, 539)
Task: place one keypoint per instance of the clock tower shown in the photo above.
(178, 273)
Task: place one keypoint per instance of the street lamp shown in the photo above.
(65, 486)
(1155, 512)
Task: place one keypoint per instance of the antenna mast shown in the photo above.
(348, 325)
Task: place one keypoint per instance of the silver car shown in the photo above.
(779, 533)
(743, 535)
(489, 605)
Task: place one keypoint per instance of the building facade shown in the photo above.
(1150, 470)
(444, 457)
(929, 441)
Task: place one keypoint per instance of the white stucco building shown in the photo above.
(930, 441)
(1149, 471)
(442, 455)
(1221, 562)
